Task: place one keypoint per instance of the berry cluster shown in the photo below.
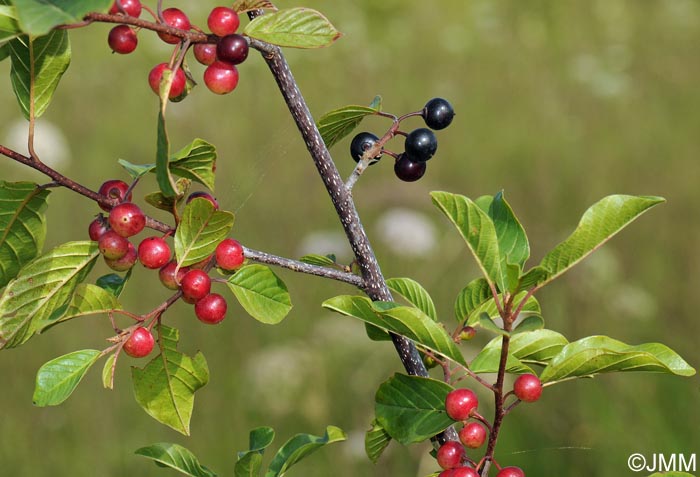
(126, 220)
(220, 57)
(419, 146)
(461, 405)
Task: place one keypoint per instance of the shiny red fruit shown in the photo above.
(223, 21)
(527, 387)
(126, 262)
(131, 8)
(140, 343)
(202, 195)
(195, 285)
(176, 88)
(450, 455)
(229, 254)
(122, 39)
(460, 403)
(205, 53)
(154, 252)
(175, 18)
(464, 472)
(168, 277)
(126, 219)
(211, 309)
(114, 189)
(112, 245)
(221, 78)
(97, 228)
(232, 49)
(473, 435)
(511, 472)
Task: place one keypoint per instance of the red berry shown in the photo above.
(127, 219)
(473, 435)
(122, 39)
(211, 309)
(220, 77)
(131, 8)
(202, 195)
(195, 285)
(114, 189)
(139, 344)
(510, 472)
(232, 49)
(126, 262)
(176, 88)
(112, 245)
(97, 228)
(167, 275)
(205, 53)
(464, 472)
(223, 21)
(154, 252)
(528, 388)
(229, 254)
(467, 333)
(176, 18)
(450, 455)
(460, 403)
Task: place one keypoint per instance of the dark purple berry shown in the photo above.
(421, 144)
(408, 170)
(361, 143)
(232, 49)
(438, 113)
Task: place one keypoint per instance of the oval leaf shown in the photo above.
(536, 347)
(412, 409)
(22, 226)
(201, 229)
(476, 293)
(376, 441)
(57, 379)
(293, 27)
(196, 161)
(108, 372)
(42, 287)
(336, 124)
(601, 354)
(478, 231)
(165, 387)
(38, 17)
(512, 240)
(248, 466)
(599, 223)
(176, 457)
(9, 28)
(416, 295)
(299, 447)
(261, 293)
(38, 63)
(403, 320)
(87, 300)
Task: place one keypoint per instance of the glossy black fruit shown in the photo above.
(408, 170)
(438, 113)
(361, 143)
(421, 144)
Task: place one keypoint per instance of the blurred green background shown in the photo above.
(558, 102)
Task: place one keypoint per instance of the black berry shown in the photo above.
(232, 49)
(438, 113)
(408, 170)
(421, 144)
(361, 143)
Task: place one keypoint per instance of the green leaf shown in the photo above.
(336, 124)
(38, 17)
(512, 240)
(196, 161)
(530, 323)
(319, 260)
(22, 226)
(107, 371)
(250, 461)
(376, 440)
(376, 103)
(43, 286)
(4, 51)
(476, 293)
(601, 354)
(532, 277)
(293, 27)
(87, 300)
(38, 63)
(478, 231)
(136, 170)
(488, 360)
(114, 283)
(531, 307)
(535, 347)
(176, 457)
(169, 204)
(261, 293)
(165, 387)
(201, 229)
(412, 291)
(166, 183)
(403, 320)
(599, 223)
(57, 379)
(299, 447)
(487, 323)
(242, 6)
(9, 28)
(412, 409)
